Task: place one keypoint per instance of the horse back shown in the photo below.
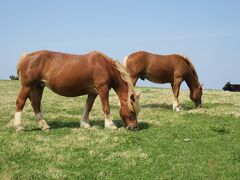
(66, 74)
(156, 68)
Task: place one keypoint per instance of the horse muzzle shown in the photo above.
(132, 128)
(199, 105)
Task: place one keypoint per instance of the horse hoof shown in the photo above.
(46, 129)
(85, 125)
(111, 126)
(19, 129)
(177, 109)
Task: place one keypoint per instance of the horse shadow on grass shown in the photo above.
(156, 106)
(216, 105)
(186, 105)
(165, 106)
(58, 124)
(63, 124)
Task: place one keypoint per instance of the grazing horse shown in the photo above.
(231, 87)
(162, 69)
(71, 75)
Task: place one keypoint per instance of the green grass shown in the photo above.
(193, 144)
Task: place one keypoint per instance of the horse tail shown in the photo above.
(19, 63)
(125, 61)
(189, 62)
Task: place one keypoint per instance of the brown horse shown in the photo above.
(71, 75)
(172, 69)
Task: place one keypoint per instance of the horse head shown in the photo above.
(129, 111)
(196, 96)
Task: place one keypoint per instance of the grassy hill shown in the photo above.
(192, 144)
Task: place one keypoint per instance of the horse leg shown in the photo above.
(21, 100)
(35, 97)
(134, 80)
(175, 89)
(84, 123)
(103, 92)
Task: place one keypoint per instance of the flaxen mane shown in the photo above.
(125, 61)
(191, 66)
(133, 105)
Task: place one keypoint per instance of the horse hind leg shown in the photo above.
(134, 80)
(85, 122)
(35, 97)
(20, 102)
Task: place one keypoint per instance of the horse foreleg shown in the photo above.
(175, 89)
(104, 96)
(35, 97)
(21, 100)
(85, 123)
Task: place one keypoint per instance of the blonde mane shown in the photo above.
(189, 62)
(125, 61)
(132, 105)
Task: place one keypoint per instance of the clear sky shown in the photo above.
(207, 31)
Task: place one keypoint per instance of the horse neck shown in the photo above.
(192, 82)
(121, 88)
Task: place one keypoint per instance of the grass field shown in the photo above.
(192, 144)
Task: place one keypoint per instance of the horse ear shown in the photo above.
(138, 94)
(132, 98)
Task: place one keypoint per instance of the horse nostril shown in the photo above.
(199, 106)
(132, 128)
(135, 128)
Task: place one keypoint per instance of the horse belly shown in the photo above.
(71, 89)
(161, 77)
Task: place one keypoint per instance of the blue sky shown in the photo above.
(206, 31)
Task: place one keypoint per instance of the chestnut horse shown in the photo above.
(71, 75)
(162, 69)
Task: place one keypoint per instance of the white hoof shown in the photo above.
(42, 124)
(19, 128)
(177, 108)
(46, 128)
(85, 125)
(110, 126)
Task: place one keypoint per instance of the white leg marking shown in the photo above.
(39, 116)
(41, 122)
(17, 121)
(108, 122)
(85, 123)
(176, 105)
